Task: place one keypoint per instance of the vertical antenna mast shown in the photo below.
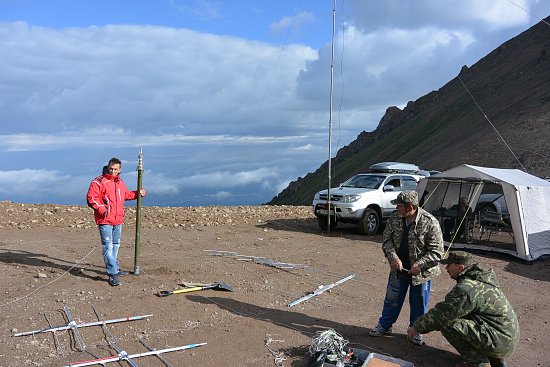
(138, 213)
(329, 199)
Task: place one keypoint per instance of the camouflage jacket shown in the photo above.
(476, 297)
(425, 243)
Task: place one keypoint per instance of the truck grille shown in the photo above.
(334, 197)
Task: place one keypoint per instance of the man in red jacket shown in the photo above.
(106, 196)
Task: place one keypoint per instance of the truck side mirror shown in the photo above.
(389, 188)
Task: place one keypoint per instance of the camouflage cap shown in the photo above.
(457, 257)
(406, 197)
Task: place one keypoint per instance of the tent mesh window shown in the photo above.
(470, 212)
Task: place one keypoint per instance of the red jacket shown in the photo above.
(106, 196)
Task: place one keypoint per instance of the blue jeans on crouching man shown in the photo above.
(110, 241)
(396, 291)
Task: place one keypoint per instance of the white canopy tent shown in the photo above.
(527, 198)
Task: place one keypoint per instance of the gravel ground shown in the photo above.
(50, 259)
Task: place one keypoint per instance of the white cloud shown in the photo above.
(305, 147)
(44, 184)
(35, 180)
(481, 15)
(143, 77)
(226, 179)
(294, 21)
(160, 183)
(118, 137)
(54, 185)
(220, 115)
(222, 195)
(381, 68)
(495, 14)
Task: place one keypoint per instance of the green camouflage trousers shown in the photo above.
(476, 343)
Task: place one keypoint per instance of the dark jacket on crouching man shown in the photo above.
(475, 317)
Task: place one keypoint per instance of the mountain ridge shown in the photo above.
(507, 91)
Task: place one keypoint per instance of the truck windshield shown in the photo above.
(364, 181)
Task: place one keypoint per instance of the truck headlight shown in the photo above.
(350, 198)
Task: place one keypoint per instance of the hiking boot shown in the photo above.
(464, 364)
(379, 330)
(497, 362)
(418, 340)
(122, 273)
(114, 280)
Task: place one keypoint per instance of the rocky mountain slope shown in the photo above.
(494, 113)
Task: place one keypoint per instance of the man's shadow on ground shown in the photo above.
(394, 345)
(45, 261)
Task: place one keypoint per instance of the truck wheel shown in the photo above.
(370, 223)
(323, 223)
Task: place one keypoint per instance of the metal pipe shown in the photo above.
(330, 119)
(58, 345)
(166, 363)
(78, 341)
(123, 356)
(138, 213)
(111, 339)
(320, 290)
(73, 324)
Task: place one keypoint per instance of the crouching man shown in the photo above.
(475, 317)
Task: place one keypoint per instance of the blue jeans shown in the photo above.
(396, 291)
(110, 240)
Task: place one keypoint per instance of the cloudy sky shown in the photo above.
(228, 99)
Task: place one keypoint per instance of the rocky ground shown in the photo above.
(50, 259)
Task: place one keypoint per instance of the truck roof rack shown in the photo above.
(394, 167)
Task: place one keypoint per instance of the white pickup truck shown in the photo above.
(365, 199)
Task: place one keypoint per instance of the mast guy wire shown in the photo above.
(493, 126)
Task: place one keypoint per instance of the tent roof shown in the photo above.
(512, 176)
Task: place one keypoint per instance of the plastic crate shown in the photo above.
(368, 359)
(381, 360)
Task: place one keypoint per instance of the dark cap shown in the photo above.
(457, 257)
(406, 198)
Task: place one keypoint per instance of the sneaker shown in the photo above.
(122, 273)
(418, 340)
(114, 280)
(379, 330)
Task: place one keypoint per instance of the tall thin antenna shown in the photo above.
(137, 244)
(330, 116)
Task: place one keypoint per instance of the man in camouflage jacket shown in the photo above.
(413, 245)
(475, 317)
